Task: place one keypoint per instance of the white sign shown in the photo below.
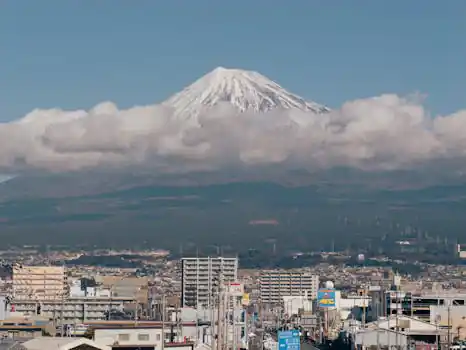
(235, 289)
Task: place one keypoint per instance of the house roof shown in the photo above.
(41, 343)
(394, 318)
(133, 324)
(429, 328)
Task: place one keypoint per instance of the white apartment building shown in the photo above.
(201, 278)
(39, 282)
(71, 310)
(276, 284)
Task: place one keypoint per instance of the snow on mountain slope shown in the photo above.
(248, 91)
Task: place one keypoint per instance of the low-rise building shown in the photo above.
(72, 310)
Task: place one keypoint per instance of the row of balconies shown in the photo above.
(289, 286)
(194, 280)
(288, 292)
(74, 316)
(212, 270)
(283, 285)
(209, 263)
(195, 272)
(211, 259)
(286, 274)
(280, 280)
(66, 306)
(206, 274)
(194, 285)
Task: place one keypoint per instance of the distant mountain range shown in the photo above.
(238, 215)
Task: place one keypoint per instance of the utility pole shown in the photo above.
(378, 325)
(212, 322)
(179, 326)
(226, 318)
(364, 306)
(110, 303)
(211, 304)
(197, 299)
(221, 311)
(163, 321)
(219, 318)
(449, 325)
(235, 301)
(197, 325)
(397, 311)
(246, 327)
(397, 280)
(61, 313)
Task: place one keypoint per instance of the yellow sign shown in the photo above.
(245, 300)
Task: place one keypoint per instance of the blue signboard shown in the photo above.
(289, 340)
(326, 297)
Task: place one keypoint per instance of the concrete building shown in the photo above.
(450, 317)
(293, 305)
(4, 307)
(351, 305)
(134, 336)
(77, 291)
(137, 337)
(39, 282)
(380, 338)
(201, 276)
(72, 310)
(403, 331)
(275, 284)
(147, 334)
(419, 305)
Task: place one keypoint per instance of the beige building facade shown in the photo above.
(39, 282)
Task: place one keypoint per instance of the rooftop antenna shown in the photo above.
(218, 249)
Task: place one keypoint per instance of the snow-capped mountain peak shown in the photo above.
(246, 90)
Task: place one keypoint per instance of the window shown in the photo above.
(143, 337)
(123, 337)
(158, 337)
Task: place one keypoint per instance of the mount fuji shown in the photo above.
(247, 91)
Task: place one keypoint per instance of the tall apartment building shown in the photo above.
(201, 277)
(39, 282)
(275, 284)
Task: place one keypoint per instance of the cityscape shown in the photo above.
(212, 301)
(232, 175)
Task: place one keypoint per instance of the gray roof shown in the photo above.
(9, 344)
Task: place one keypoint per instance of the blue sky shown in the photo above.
(74, 54)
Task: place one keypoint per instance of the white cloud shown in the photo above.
(385, 132)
